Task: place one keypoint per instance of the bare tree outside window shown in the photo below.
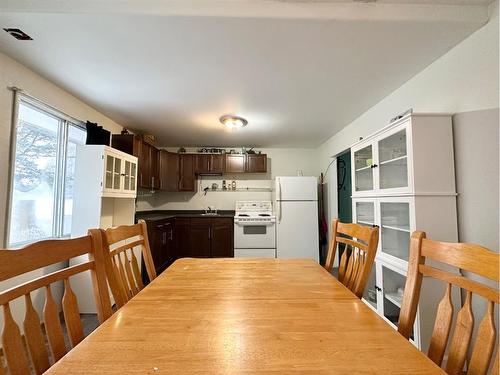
(42, 139)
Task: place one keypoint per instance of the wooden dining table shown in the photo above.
(244, 316)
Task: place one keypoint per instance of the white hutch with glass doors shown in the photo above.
(105, 189)
(403, 179)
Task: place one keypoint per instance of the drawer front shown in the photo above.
(182, 221)
(200, 221)
(226, 221)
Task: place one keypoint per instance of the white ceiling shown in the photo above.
(298, 71)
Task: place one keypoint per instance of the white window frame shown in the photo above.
(65, 121)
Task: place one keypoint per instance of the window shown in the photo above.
(43, 173)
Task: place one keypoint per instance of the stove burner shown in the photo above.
(265, 215)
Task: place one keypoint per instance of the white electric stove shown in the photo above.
(254, 230)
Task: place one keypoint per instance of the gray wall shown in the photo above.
(476, 139)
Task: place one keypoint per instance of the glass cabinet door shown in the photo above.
(392, 289)
(365, 213)
(395, 229)
(363, 169)
(393, 284)
(126, 179)
(393, 161)
(117, 174)
(370, 293)
(133, 176)
(108, 178)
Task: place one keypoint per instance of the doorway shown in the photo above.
(344, 191)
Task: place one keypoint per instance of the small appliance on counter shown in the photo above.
(254, 230)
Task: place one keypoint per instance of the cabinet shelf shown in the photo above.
(365, 222)
(393, 160)
(394, 298)
(396, 228)
(363, 168)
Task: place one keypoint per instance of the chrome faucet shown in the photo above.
(210, 211)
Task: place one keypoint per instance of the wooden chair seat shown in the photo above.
(468, 257)
(358, 257)
(24, 356)
(122, 266)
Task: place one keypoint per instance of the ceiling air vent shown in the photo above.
(18, 34)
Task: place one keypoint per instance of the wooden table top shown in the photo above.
(244, 316)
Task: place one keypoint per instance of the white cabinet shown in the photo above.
(414, 155)
(112, 172)
(120, 173)
(403, 180)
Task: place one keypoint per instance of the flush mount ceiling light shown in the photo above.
(18, 34)
(233, 122)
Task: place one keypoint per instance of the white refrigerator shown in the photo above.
(296, 209)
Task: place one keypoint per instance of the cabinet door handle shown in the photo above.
(210, 233)
(373, 166)
(378, 288)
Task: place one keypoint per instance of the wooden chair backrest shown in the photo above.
(36, 358)
(468, 257)
(355, 266)
(122, 267)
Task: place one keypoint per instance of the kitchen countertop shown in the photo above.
(169, 214)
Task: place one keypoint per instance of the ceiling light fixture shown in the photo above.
(233, 122)
(18, 34)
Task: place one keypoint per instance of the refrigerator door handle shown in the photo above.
(278, 216)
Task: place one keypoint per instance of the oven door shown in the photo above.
(254, 236)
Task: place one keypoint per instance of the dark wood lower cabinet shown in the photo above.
(198, 237)
(221, 239)
(200, 240)
(162, 244)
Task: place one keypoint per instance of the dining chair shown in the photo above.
(468, 257)
(357, 259)
(24, 355)
(122, 267)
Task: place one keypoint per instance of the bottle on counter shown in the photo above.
(224, 187)
(233, 185)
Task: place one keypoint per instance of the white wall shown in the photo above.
(14, 74)
(281, 162)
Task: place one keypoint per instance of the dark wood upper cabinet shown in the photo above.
(221, 238)
(207, 163)
(235, 163)
(169, 171)
(155, 168)
(217, 163)
(202, 163)
(147, 158)
(256, 163)
(187, 180)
